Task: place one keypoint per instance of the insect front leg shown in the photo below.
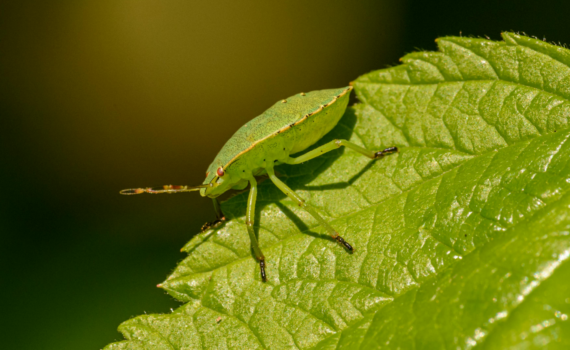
(337, 144)
(294, 197)
(219, 216)
(249, 219)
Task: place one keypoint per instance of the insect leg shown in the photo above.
(219, 216)
(249, 219)
(218, 210)
(294, 197)
(336, 144)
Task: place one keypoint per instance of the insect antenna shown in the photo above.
(162, 189)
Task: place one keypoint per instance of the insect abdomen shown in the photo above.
(319, 124)
(288, 127)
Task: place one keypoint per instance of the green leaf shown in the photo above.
(462, 239)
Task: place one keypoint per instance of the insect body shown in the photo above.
(288, 127)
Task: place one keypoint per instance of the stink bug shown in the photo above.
(288, 127)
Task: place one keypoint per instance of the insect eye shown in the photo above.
(220, 172)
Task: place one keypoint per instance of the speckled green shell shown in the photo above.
(288, 127)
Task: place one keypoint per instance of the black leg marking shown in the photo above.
(388, 150)
(262, 266)
(341, 240)
(213, 224)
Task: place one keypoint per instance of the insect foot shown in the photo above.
(212, 224)
(262, 266)
(341, 240)
(388, 150)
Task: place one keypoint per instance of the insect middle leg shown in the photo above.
(294, 197)
(337, 144)
(249, 219)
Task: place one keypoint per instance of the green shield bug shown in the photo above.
(288, 127)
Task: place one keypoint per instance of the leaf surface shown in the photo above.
(462, 238)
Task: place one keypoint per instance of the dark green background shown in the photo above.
(100, 95)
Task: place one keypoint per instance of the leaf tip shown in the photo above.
(159, 285)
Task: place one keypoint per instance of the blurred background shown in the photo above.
(100, 95)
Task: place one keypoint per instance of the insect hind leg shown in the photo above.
(293, 196)
(334, 144)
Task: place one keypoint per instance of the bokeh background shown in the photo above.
(100, 95)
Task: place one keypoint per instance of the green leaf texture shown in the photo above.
(462, 239)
